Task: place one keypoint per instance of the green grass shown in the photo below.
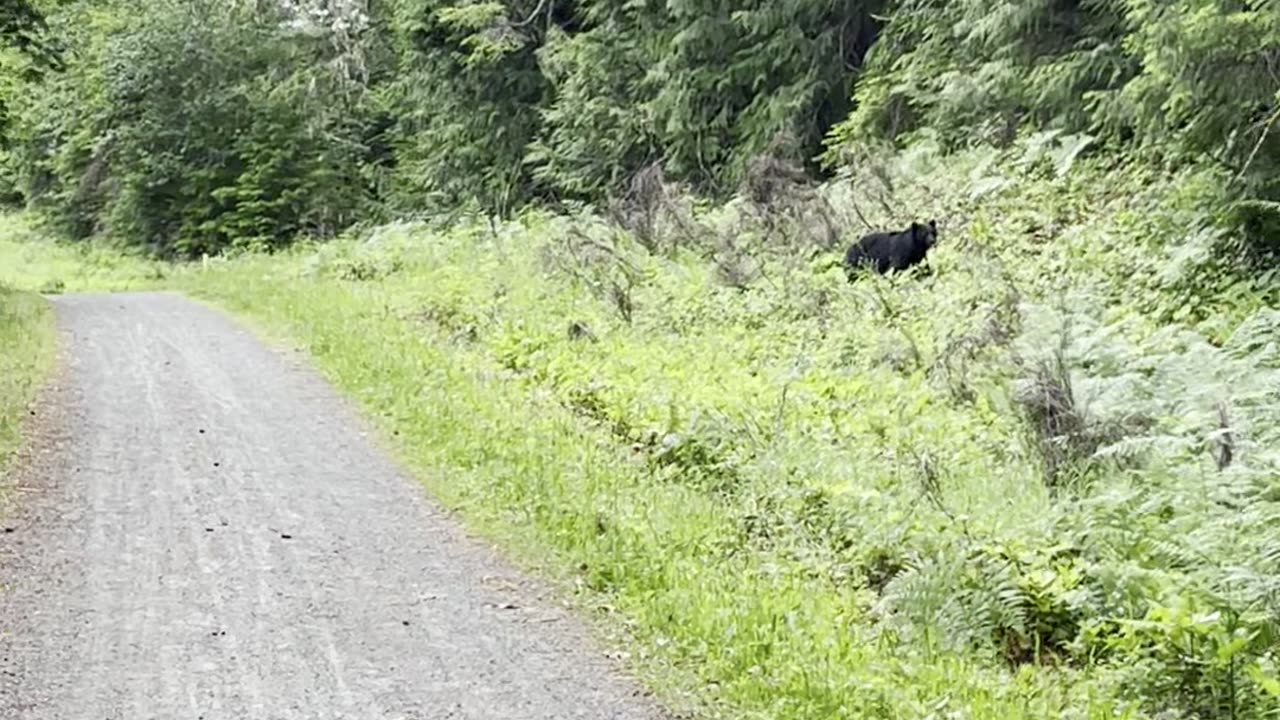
(760, 632)
(30, 260)
(805, 498)
(28, 341)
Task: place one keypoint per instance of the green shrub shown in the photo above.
(27, 334)
(188, 130)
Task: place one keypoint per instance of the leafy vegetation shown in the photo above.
(1189, 82)
(191, 127)
(27, 336)
(22, 27)
(582, 259)
(1037, 481)
(30, 261)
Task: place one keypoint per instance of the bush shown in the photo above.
(192, 129)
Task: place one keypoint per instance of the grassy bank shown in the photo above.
(28, 341)
(31, 261)
(735, 585)
(1035, 482)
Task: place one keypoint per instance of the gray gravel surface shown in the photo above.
(202, 530)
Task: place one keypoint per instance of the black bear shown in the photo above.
(892, 251)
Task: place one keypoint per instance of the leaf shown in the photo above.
(1269, 683)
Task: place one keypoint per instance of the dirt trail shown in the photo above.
(206, 534)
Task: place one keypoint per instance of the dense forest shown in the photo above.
(600, 239)
(192, 125)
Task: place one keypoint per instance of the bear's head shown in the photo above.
(925, 233)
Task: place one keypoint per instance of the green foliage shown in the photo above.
(1183, 81)
(1208, 82)
(597, 131)
(465, 100)
(295, 120)
(500, 102)
(26, 53)
(190, 129)
(31, 261)
(971, 72)
(735, 79)
(791, 486)
(27, 334)
(698, 86)
(23, 27)
(1036, 480)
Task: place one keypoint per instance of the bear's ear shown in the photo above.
(933, 225)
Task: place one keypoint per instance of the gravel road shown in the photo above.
(203, 531)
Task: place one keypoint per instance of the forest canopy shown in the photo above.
(190, 126)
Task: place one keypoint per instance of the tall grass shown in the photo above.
(31, 260)
(27, 348)
(1035, 481)
(768, 628)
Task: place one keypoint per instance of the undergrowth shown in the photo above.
(1035, 479)
(29, 260)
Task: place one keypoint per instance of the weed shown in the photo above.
(27, 338)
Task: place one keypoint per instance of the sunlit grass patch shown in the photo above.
(27, 350)
(32, 260)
